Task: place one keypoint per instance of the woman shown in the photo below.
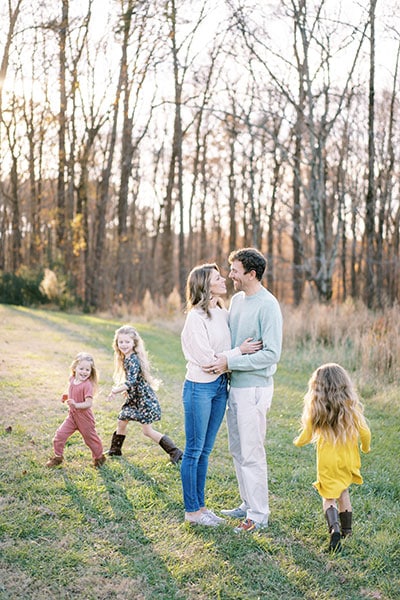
(204, 336)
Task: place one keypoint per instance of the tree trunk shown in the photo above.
(371, 192)
(61, 215)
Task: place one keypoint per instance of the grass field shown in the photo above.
(117, 532)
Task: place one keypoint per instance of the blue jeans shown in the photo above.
(204, 407)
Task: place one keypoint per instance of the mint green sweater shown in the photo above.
(258, 316)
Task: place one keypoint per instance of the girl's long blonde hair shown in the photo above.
(332, 406)
(198, 283)
(94, 376)
(138, 349)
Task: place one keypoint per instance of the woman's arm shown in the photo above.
(195, 340)
(220, 364)
(250, 345)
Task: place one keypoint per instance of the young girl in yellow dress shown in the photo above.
(333, 417)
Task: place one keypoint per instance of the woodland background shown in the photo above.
(138, 138)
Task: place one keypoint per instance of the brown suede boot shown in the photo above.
(97, 462)
(55, 461)
(175, 454)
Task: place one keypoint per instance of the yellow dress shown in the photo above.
(338, 465)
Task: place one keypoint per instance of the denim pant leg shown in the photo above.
(218, 407)
(202, 421)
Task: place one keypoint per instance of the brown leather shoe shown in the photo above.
(99, 461)
(55, 461)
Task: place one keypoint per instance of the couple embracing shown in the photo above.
(231, 359)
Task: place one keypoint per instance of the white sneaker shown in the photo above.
(203, 519)
(213, 516)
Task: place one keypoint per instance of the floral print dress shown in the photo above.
(141, 403)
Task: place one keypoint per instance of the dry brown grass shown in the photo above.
(364, 341)
(368, 342)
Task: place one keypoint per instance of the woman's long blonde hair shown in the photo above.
(94, 376)
(332, 406)
(138, 349)
(198, 283)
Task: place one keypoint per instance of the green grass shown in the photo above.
(76, 532)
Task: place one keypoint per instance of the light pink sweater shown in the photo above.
(202, 339)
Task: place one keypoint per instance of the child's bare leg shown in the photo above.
(175, 454)
(345, 513)
(327, 502)
(122, 427)
(344, 501)
(151, 433)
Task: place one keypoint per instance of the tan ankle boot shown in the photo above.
(55, 461)
(97, 462)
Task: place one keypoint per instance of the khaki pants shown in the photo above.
(247, 425)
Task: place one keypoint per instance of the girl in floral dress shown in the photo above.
(133, 378)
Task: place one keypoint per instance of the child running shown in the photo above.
(133, 378)
(333, 418)
(82, 383)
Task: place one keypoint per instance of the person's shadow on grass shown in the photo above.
(118, 524)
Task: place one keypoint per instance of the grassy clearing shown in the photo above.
(117, 532)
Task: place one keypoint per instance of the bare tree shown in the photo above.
(13, 14)
(13, 196)
(62, 125)
(387, 185)
(371, 192)
(135, 27)
(317, 109)
(182, 55)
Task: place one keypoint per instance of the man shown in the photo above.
(254, 312)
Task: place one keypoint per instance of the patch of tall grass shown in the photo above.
(365, 342)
